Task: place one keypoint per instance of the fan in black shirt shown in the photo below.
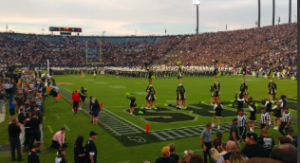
(32, 156)
(35, 133)
(172, 150)
(91, 149)
(79, 155)
(252, 148)
(265, 140)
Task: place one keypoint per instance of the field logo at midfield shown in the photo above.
(117, 86)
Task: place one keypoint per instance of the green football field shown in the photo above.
(121, 135)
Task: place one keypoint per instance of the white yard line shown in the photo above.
(67, 127)
(57, 116)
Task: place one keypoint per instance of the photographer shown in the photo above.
(58, 139)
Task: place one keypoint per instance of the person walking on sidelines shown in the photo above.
(14, 131)
(286, 121)
(91, 149)
(22, 118)
(58, 139)
(75, 101)
(206, 141)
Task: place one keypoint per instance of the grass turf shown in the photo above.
(111, 91)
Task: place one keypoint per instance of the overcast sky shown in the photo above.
(122, 17)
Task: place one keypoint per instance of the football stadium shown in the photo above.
(214, 96)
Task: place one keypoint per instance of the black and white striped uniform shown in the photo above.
(265, 119)
(286, 117)
(242, 124)
(218, 110)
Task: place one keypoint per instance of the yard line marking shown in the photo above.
(50, 108)
(50, 129)
(67, 127)
(57, 116)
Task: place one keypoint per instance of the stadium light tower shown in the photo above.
(273, 13)
(258, 22)
(197, 3)
(290, 11)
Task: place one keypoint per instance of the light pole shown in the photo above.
(197, 3)
(295, 18)
(103, 35)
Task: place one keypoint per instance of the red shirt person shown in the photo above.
(75, 100)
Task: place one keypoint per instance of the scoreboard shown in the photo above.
(65, 29)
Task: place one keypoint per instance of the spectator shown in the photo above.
(196, 159)
(12, 107)
(215, 155)
(91, 149)
(262, 160)
(172, 154)
(234, 134)
(35, 133)
(218, 141)
(91, 107)
(2, 98)
(75, 101)
(55, 93)
(165, 156)
(95, 113)
(58, 139)
(186, 158)
(285, 153)
(32, 156)
(223, 148)
(13, 132)
(290, 133)
(40, 116)
(61, 157)
(237, 158)
(231, 149)
(252, 148)
(22, 118)
(206, 141)
(265, 140)
(284, 140)
(79, 155)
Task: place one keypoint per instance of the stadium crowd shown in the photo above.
(258, 47)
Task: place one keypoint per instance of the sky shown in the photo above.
(140, 17)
